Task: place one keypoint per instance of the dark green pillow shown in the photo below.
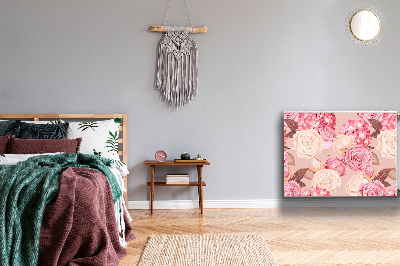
(43, 131)
(10, 127)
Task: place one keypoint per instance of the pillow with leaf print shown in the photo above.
(43, 131)
(98, 137)
(9, 127)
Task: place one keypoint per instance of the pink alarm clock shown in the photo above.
(161, 156)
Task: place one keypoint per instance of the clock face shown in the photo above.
(161, 156)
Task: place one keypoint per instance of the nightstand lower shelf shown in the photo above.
(199, 184)
(164, 184)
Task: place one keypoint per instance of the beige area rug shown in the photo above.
(206, 250)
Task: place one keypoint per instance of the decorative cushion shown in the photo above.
(43, 131)
(3, 143)
(98, 137)
(10, 127)
(33, 146)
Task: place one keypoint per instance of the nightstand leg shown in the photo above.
(152, 187)
(200, 180)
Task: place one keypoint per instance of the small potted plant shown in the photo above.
(198, 157)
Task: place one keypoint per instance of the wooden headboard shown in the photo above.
(123, 138)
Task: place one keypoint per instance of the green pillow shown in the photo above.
(43, 131)
(10, 127)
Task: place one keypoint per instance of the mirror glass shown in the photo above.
(365, 25)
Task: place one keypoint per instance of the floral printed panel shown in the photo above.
(340, 154)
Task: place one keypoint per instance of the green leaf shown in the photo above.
(96, 153)
(2, 155)
(112, 142)
(85, 125)
(118, 162)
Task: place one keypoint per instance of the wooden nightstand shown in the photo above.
(198, 184)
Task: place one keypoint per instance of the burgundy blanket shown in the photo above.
(79, 227)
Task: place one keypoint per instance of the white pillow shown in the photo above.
(98, 137)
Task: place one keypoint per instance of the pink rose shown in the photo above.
(316, 120)
(367, 116)
(327, 120)
(327, 133)
(316, 192)
(374, 188)
(359, 130)
(305, 120)
(357, 158)
(389, 121)
(292, 189)
(337, 165)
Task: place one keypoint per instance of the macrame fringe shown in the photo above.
(177, 67)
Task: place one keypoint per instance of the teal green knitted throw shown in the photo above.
(25, 190)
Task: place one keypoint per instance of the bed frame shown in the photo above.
(123, 138)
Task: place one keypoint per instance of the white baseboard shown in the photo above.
(266, 203)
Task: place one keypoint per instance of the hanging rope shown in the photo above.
(166, 12)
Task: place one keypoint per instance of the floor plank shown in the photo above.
(296, 236)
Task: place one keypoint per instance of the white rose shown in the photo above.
(341, 143)
(328, 179)
(353, 184)
(308, 143)
(387, 143)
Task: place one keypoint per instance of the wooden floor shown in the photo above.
(296, 236)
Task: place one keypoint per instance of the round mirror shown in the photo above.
(365, 25)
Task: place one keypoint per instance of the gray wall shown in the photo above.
(259, 58)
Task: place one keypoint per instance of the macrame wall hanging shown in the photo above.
(176, 77)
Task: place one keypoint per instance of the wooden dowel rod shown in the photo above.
(191, 30)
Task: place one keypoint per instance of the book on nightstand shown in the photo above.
(177, 179)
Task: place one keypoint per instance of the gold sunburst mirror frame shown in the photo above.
(364, 25)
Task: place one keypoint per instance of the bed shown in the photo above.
(62, 207)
